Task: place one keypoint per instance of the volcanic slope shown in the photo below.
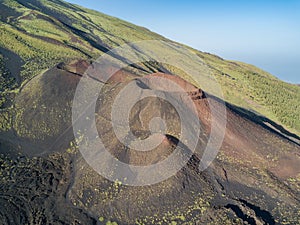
(254, 179)
(44, 179)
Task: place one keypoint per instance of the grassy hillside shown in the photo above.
(43, 33)
(254, 89)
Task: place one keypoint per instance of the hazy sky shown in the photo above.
(264, 33)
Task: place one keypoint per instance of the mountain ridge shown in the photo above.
(85, 35)
(45, 179)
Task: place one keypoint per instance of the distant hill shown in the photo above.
(45, 47)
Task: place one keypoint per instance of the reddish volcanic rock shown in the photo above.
(254, 164)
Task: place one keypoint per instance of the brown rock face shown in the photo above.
(76, 66)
